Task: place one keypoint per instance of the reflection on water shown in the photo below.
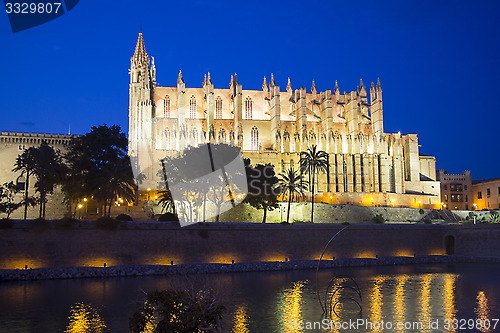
(268, 302)
(240, 319)
(289, 306)
(84, 319)
(483, 312)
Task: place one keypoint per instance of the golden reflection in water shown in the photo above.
(376, 301)
(424, 299)
(399, 299)
(482, 311)
(290, 309)
(449, 298)
(240, 319)
(83, 319)
(332, 299)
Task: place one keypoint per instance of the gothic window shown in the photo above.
(192, 107)
(166, 107)
(218, 108)
(282, 166)
(291, 164)
(479, 195)
(248, 108)
(254, 139)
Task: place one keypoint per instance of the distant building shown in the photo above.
(456, 190)
(486, 193)
(367, 166)
(12, 144)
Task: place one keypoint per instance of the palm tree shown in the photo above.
(26, 164)
(291, 183)
(313, 161)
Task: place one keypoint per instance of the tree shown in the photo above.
(291, 183)
(7, 196)
(100, 167)
(47, 166)
(313, 162)
(178, 311)
(262, 188)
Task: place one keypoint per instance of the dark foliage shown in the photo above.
(6, 223)
(168, 217)
(106, 223)
(378, 219)
(65, 223)
(124, 217)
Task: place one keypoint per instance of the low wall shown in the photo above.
(162, 244)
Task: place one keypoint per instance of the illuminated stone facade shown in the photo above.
(456, 190)
(366, 165)
(486, 194)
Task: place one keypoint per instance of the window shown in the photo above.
(445, 187)
(465, 187)
(282, 166)
(20, 183)
(479, 195)
(222, 136)
(218, 108)
(488, 193)
(192, 107)
(166, 107)
(248, 108)
(499, 191)
(446, 197)
(254, 139)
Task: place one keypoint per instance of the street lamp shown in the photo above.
(147, 197)
(79, 206)
(85, 200)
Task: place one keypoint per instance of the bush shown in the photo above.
(421, 211)
(124, 217)
(427, 221)
(65, 223)
(106, 223)
(178, 311)
(345, 223)
(39, 224)
(494, 216)
(168, 217)
(6, 223)
(285, 223)
(378, 219)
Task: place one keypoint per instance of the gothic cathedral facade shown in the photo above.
(366, 165)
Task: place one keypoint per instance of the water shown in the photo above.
(273, 302)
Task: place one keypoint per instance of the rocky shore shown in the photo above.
(149, 270)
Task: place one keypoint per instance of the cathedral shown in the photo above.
(367, 166)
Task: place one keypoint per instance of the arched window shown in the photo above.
(166, 107)
(167, 139)
(218, 108)
(248, 108)
(282, 166)
(254, 139)
(192, 107)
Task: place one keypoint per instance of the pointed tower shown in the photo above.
(313, 88)
(289, 86)
(264, 85)
(141, 110)
(377, 110)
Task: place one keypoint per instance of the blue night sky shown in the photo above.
(438, 62)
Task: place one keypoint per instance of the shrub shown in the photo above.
(39, 224)
(285, 223)
(106, 223)
(378, 219)
(427, 221)
(494, 216)
(178, 311)
(421, 211)
(124, 217)
(6, 223)
(65, 223)
(168, 217)
(345, 223)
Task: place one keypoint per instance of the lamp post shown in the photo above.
(79, 207)
(147, 196)
(85, 200)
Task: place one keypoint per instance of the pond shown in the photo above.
(412, 298)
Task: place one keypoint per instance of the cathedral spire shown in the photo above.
(379, 86)
(271, 83)
(209, 80)
(140, 54)
(313, 88)
(264, 85)
(336, 87)
(289, 86)
(179, 78)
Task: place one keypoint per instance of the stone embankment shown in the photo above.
(150, 270)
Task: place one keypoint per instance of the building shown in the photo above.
(12, 144)
(456, 190)
(486, 194)
(366, 165)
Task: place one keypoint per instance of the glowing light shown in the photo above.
(482, 310)
(449, 298)
(149, 189)
(80, 206)
(85, 199)
(240, 319)
(84, 318)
